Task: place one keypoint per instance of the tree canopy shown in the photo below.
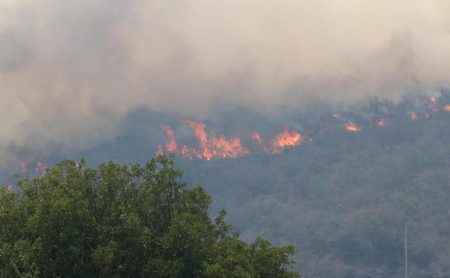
(122, 221)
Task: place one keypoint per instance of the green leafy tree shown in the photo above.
(124, 221)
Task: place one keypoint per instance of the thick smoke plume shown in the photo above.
(69, 71)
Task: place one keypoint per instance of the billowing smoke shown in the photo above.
(69, 71)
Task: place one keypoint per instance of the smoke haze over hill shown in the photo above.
(70, 72)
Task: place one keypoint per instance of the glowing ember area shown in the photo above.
(171, 145)
(446, 108)
(285, 139)
(26, 168)
(256, 137)
(348, 125)
(41, 167)
(433, 100)
(414, 117)
(381, 122)
(213, 146)
(351, 127)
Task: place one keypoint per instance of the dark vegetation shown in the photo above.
(124, 221)
(342, 199)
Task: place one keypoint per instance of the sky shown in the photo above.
(71, 70)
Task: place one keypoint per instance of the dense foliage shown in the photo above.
(124, 221)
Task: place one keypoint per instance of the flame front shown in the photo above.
(212, 146)
(287, 138)
(215, 146)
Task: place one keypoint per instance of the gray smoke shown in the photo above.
(70, 70)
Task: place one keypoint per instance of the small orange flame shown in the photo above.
(285, 139)
(171, 145)
(413, 117)
(446, 107)
(351, 127)
(255, 136)
(348, 125)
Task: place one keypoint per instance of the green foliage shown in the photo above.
(124, 221)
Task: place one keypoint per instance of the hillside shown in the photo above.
(342, 197)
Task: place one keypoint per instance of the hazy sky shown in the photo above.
(70, 70)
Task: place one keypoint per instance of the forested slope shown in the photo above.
(342, 198)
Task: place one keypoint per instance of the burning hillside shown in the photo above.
(211, 146)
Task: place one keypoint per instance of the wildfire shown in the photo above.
(41, 167)
(256, 137)
(348, 125)
(381, 122)
(287, 138)
(351, 127)
(171, 145)
(213, 146)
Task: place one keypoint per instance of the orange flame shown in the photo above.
(211, 146)
(285, 139)
(215, 146)
(202, 137)
(348, 125)
(351, 127)
(255, 136)
(171, 145)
